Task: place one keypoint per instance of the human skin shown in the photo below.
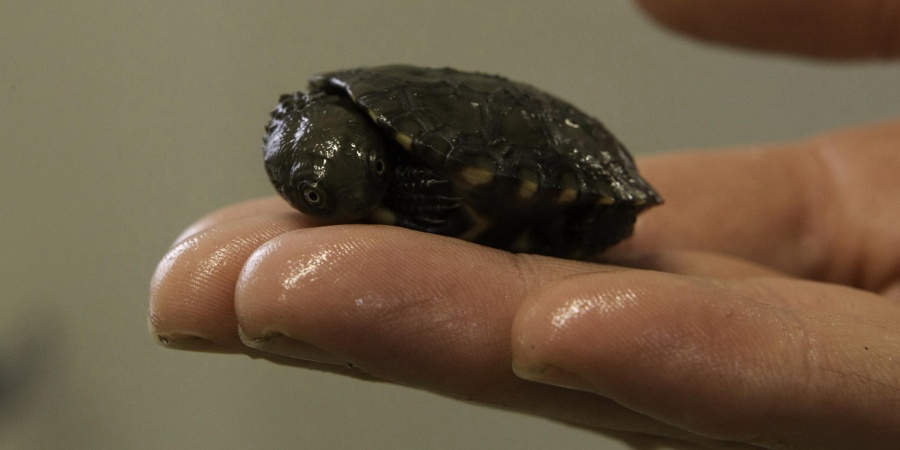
(756, 309)
(821, 28)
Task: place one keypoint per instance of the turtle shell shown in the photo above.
(505, 137)
(475, 156)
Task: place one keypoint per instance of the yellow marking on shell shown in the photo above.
(404, 140)
(568, 182)
(529, 179)
(606, 201)
(566, 196)
(480, 224)
(474, 176)
(527, 190)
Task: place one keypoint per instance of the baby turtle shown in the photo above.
(469, 155)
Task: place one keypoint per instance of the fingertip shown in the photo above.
(412, 307)
(236, 212)
(846, 29)
(192, 288)
(590, 315)
(667, 346)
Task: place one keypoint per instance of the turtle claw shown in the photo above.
(434, 184)
(423, 200)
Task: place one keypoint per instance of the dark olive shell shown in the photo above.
(479, 128)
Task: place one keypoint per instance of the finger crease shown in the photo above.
(828, 219)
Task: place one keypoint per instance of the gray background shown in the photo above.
(121, 122)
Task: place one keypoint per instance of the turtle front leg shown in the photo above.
(423, 200)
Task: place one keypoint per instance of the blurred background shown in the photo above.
(121, 122)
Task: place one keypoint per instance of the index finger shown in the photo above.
(835, 29)
(825, 208)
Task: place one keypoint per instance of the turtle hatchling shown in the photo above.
(462, 154)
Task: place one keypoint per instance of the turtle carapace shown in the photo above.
(468, 155)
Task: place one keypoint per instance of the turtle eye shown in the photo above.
(314, 197)
(378, 166)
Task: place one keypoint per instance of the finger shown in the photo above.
(416, 309)
(838, 29)
(191, 298)
(728, 360)
(256, 207)
(686, 262)
(192, 290)
(751, 203)
(823, 209)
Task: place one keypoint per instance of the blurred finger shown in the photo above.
(256, 207)
(688, 262)
(750, 203)
(823, 209)
(838, 29)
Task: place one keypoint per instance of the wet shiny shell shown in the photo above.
(507, 140)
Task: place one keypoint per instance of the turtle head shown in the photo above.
(326, 158)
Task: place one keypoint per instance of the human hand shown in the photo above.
(726, 341)
(708, 348)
